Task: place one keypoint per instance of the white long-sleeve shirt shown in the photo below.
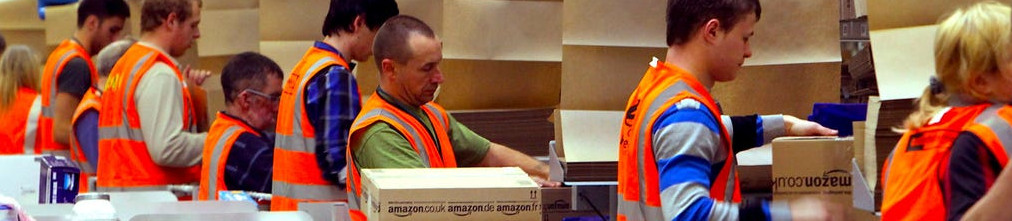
(159, 102)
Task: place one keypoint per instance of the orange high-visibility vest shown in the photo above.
(297, 176)
(18, 136)
(434, 153)
(224, 131)
(126, 162)
(994, 128)
(638, 190)
(66, 51)
(914, 171)
(90, 102)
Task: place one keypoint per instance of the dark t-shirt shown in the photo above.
(972, 170)
(75, 78)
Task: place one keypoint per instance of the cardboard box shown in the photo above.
(807, 166)
(459, 193)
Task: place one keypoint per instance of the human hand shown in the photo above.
(197, 76)
(545, 183)
(799, 127)
(815, 208)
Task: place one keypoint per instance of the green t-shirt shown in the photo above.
(381, 146)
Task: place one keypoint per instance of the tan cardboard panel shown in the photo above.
(367, 76)
(285, 53)
(35, 39)
(133, 25)
(589, 136)
(482, 84)
(215, 96)
(503, 30)
(782, 37)
(774, 89)
(904, 60)
(20, 14)
(228, 32)
(61, 23)
(292, 20)
(230, 4)
(630, 23)
(601, 78)
(215, 64)
(886, 14)
(429, 11)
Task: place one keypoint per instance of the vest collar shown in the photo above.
(160, 50)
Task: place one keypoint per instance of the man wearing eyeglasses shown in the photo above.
(239, 151)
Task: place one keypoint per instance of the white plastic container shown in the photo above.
(93, 207)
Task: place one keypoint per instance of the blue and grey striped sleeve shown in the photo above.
(689, 155)
(762, 130)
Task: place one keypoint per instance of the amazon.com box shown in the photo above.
(813, 166)
(505, 193)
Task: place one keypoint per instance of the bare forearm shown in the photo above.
(63, 113)
(502, 156)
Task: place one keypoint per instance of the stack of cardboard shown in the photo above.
(587, 142)
(525, 130)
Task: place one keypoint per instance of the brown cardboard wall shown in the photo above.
(34, 38)
(61, 22)
(772, 89)
(299, 20)
(484, 84)
(600, 77)
(884, 14)
(228, 32)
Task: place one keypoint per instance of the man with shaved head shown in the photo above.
(401, 127)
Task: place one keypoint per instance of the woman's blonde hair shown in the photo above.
(19, 67)
(971, 42)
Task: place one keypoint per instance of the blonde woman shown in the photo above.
(971, 59)
(19, 100)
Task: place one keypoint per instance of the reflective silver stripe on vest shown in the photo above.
(412, 133)
(296, 141)
(32, 126)
(212, 174)
(310, 192)
(131, 189)
(998, 125)
(120, 132)
(439, 116)
(47, 110)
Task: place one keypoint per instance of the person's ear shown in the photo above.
(980, 84)
(711, 30)
(388, 67)
(172, 20)
(242, 99)
(91, 23)
(358, 23)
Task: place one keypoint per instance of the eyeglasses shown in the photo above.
(272, 98)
